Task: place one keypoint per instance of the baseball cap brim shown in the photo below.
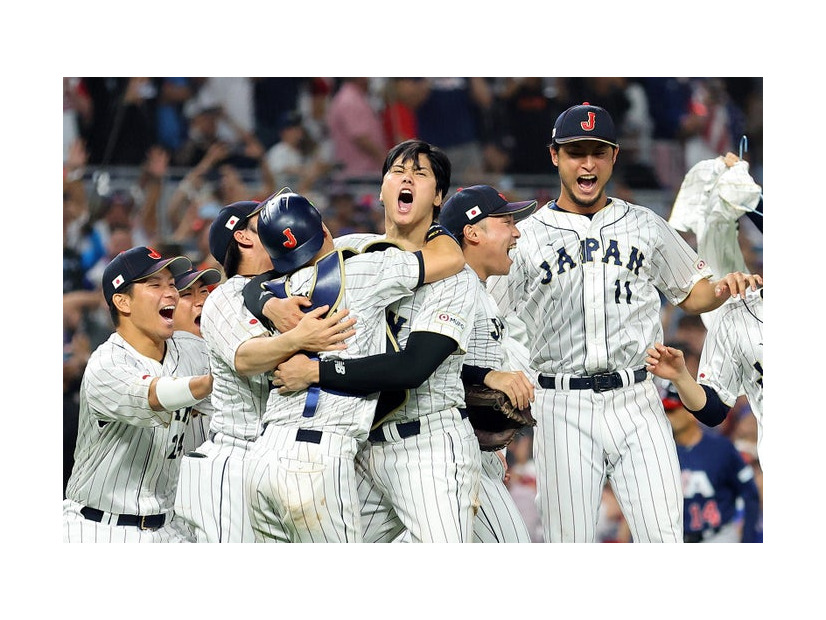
(584, 138)
(208, 276)
(519, 210)
(176, 265)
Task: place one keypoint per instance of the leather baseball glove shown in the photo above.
(493, 417)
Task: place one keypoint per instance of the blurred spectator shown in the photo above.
(450, 117)
(346, 214)
(173, 127)
(272, 98)
(401, 98)
(669, 99)
(313, 103)
(690, 334)
(122, 124)
(356, 131)
(531, 106)
(715, 480)
(234, 97)
(77, 111)
(706, 127)
(292, 161)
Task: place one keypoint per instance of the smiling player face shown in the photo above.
(408, 192)
(585, 167)
(151, 306)
(187, 316)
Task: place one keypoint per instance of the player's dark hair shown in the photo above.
(233, 258)
(409, 150)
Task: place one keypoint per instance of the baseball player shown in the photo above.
(300, 474)
(715, 479)
(193, 287)
(731, 364)
(136, 396)
(242, 352)
(421, 466)
(485, 223)
(587, 277)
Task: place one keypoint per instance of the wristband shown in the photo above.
(173, 393)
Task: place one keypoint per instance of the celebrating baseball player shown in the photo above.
(715, 478)
(242, 353)
(485, 223)
(135, 401)
(300, 474)
(193, 288)
(587, 277)
(425, 434)
(731, 364)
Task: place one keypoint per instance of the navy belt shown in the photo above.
(147, 522)
(405, 429)
(302, 434)
(599, 383)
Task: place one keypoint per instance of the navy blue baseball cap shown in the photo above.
(584, 122)
(208, 276)
(228, 220)
(138, 264)
(471, 204)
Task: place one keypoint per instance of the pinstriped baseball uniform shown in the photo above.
(732, 359)
(211, 488)
(498, 519)
(127, 456)
(300, 476)
(428, 481)
(587, 290)
(198, 430)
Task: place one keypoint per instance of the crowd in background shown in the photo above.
(150, 161)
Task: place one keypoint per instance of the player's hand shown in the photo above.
(507, 477)
(515, 384)
(314, 333)
(736, 284)
(285, 313)
(297, 373)
(665, 362)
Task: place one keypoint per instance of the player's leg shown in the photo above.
(646, 476)
(432, 478)
(498, 519)
(197, 500)
(311, 483)
(569, 465)
(379, 521)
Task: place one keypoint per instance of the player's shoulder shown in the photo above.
(355, 240)
(187, 339)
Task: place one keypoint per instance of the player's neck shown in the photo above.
(145, 344)
(411, 237)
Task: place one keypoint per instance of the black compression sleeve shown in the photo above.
(714, 411)
(475, 374)
(401, 370)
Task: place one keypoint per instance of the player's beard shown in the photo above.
(580, 202)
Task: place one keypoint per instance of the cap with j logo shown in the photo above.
(584, 122)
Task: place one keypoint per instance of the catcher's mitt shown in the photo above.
(493, 417)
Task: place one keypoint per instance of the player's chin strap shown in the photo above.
(389, 401)
(327, 288)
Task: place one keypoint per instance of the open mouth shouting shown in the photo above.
(405, 200)
(166, 313)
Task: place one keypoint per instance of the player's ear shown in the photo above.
(437, 201)
(554, 156)
(122, 302)
(242, 238)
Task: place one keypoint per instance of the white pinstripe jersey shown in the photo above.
(485, 348)
(732, 359)
(238, 402)
(196, 432)
(371, 282)
(444, 307)
(587, 288)
(127, 456)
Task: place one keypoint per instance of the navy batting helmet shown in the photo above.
(290, 229)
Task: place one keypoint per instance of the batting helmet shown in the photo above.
(291, 231)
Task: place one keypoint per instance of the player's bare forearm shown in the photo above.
(669, 363)
(313, 333)
(515, 384)
(707, 295)
(442, 257)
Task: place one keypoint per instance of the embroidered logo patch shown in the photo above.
(471, 213)
(444, 317)
(231, 222)
(117, 281)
